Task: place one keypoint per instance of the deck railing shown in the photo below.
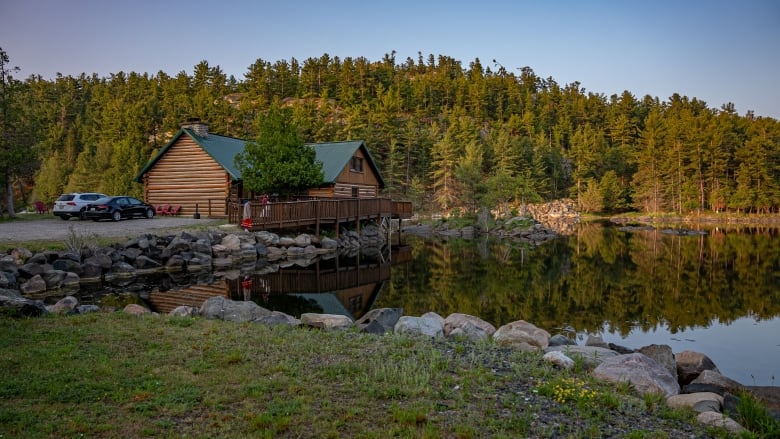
(291, 214)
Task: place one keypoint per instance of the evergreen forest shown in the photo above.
(445, 135)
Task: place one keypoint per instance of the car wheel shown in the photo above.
(116, 216)
(149, 213)
(83, 214)
(64, 217)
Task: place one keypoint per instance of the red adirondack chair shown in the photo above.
(164, 209)
(174, 210)
(41, 207)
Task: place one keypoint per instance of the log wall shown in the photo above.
(186, 176)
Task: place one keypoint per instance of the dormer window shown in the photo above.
(357, 164)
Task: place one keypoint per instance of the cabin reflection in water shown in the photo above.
(331, 287)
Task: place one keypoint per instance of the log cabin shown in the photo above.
(196, 171)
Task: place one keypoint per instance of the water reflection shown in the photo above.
(715, 292)
(605, 280)
(346, 286)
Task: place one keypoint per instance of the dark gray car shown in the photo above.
(116, 208)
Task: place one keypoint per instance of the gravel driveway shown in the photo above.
(54, 229)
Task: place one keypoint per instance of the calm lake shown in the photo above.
(716, 293)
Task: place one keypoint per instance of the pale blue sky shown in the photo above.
(717, 51)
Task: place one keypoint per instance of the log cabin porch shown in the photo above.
(318, 212)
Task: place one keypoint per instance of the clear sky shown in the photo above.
(717, 51)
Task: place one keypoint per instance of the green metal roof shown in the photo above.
(333, 155)
(222, 149)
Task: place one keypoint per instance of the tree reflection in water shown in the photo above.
(600, 278)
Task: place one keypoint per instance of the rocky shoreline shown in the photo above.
(687, 379)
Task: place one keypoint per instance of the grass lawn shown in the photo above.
(116, 375)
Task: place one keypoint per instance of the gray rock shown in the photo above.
(302, 240)
(469, 331)
(184, 311)
(326, 321)
(87, 309)
(385, 317)
(690, 364)
(561, 340)
(175, 263)
(719, 420)
(122, 268)
(522, 335)
(328, 243)
(432, 315)
(718, 381)
(66, 305)
(228, 310)
(101, 260)
(644, 374)
(278, 318)
(597, 341)
(34, 285)
(286, 242)
(71, 280)
(232, 243)
(690, 400)
(559, 359)
(661, 354)
(29, 269)
(129, 255)
(13, 304)
(419, 326)
(144, 263)
(458, 320)
(591, 356)
(373, 327)
(54, 278)
(136, 309)
(67, 265)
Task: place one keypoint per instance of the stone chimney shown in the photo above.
(197, 126)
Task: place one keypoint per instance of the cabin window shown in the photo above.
(354, 192)
(357, 164)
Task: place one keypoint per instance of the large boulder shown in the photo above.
(662, 354)
(522, 335)
(386, 318)
(458, 320)
(13, 304)
(641, 371)
(326, 321)
(419, 326)
(219, 307)
(690, 364)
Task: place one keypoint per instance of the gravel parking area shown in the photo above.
(54, 229)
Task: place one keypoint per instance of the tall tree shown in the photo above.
(16, 140)
(278, 161)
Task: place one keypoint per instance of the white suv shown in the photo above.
(74, 204)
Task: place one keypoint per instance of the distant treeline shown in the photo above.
(444, 135)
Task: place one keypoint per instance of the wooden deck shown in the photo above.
(318, 212)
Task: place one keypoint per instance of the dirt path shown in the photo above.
(54, 229)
